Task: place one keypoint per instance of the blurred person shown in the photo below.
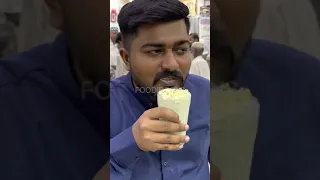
(156, 52)
(208, 59)
(290, 22)
(9, 20)
(193, 37)
(199, 66)
(121, 67)
(113, 34)
(114, 56)
(114, 51)
(6, 36)
(10, 6)
(284, 82)
(54, 117)
(118, 41)
(35, 28)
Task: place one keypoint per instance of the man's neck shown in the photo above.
(152, 97)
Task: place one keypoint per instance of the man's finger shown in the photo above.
(161, 112)
(162, 138)
(167, 147)
(166, 126)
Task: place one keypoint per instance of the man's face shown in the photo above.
(113, 34)
(160, 55)
(191, 39)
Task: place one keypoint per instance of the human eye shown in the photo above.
(181, 51)
(155, 52)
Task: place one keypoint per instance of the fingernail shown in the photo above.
(186, 127)
(181, 146)
(187, 139)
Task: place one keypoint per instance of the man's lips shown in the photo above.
(169, 82)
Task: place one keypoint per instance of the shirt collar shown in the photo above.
(147, 104)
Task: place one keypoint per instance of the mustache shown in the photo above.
(168, 74)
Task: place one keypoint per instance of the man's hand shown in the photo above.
(104, 173)
(152, 134)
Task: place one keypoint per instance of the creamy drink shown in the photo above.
(177, 100)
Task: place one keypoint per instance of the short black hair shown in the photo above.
(142, 12)
(118, 38)
(195, 36)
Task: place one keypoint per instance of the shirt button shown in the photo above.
(150, 104)
(165, 163)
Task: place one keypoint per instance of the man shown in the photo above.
(193, 37)
(113, 34)
(114, 56)
(53, 125)
(118, 41)
(121, 69)
(34, 27)
(284, 81)
(199, 66)
(157, 55)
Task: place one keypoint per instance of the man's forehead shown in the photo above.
(163, 42)
(163, 31)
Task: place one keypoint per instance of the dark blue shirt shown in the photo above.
(129, 162)
(286, 83)
(48, 131)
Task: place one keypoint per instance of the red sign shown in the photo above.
(113, 16)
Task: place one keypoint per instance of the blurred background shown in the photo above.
(24, 24)
(293, 23)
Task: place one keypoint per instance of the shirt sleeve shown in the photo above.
(124, 150)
